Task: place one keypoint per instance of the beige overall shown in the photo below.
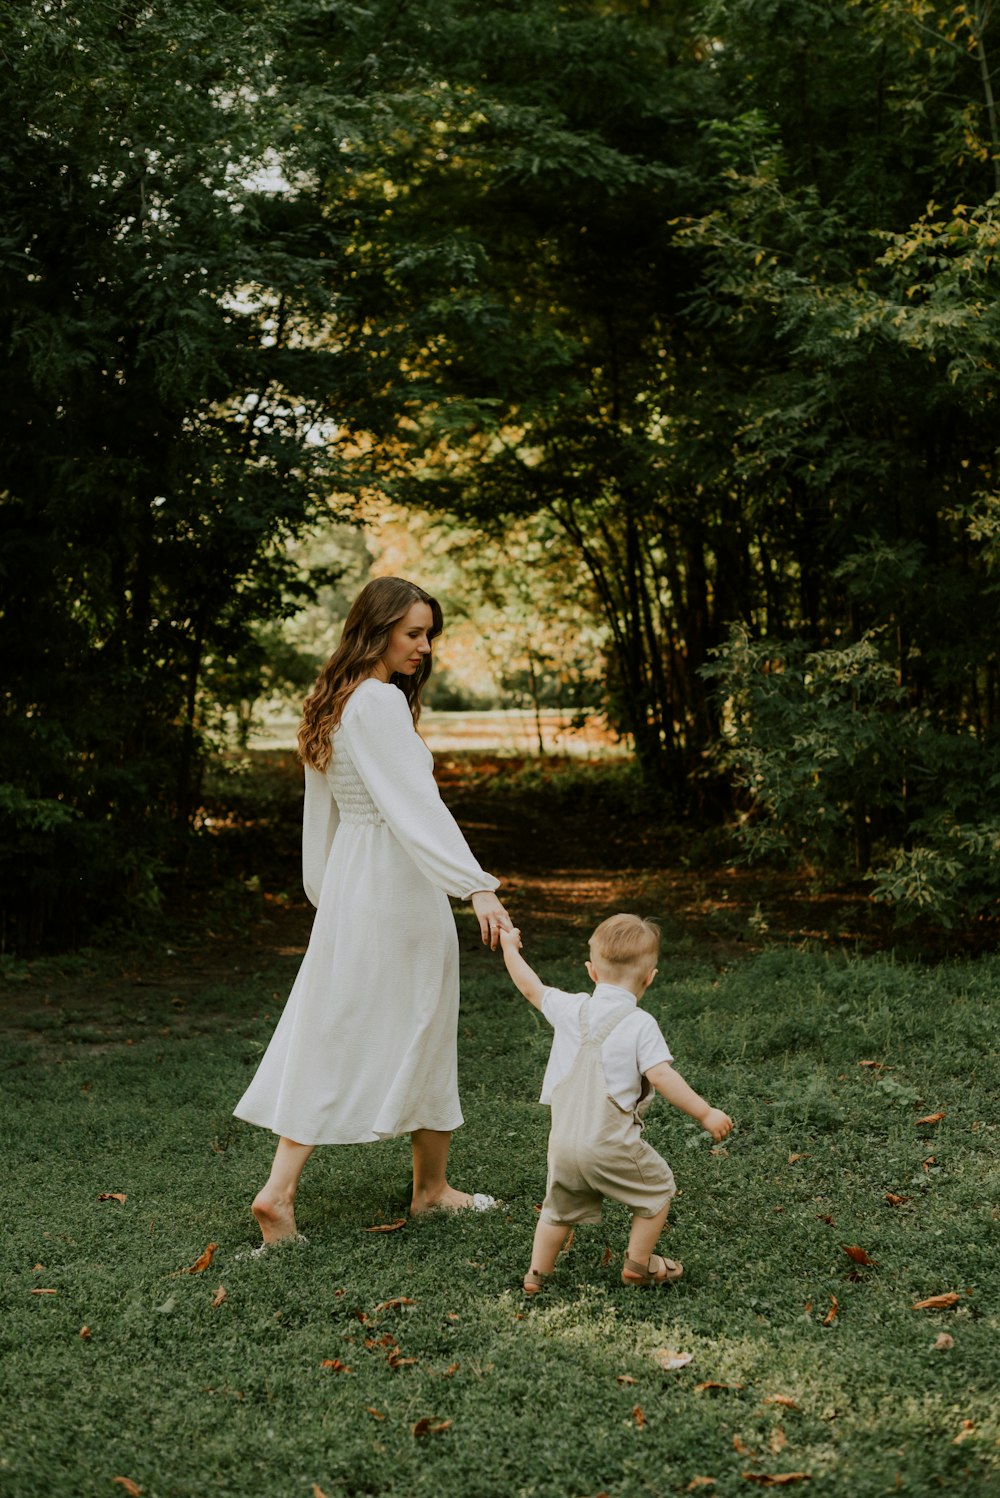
(596, 1148)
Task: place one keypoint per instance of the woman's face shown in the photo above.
(409, 642)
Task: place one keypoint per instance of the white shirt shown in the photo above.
(630, 1050)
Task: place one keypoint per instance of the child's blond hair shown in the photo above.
(626, 944)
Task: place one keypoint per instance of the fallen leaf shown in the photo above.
(361, 1316)
(201, 1263)
(894, 1200)
(720, 1149)
(792, 1158)
(776, 1479)
(451, 1370)
(317, 1491)
(778, 1441)
(700, 1482)
(785, 1400)
(568, 1241)
(877, 1065)
(452, 1316)
(943, 1342)
(375, 1414)
(857, 1254)
(85, 1333)
(968, 1429)
(45, 1292)
(928, 1162)
(711, 1383)
(639, 1416)
(427, 1427)
(39, 1269)
(825, 1217)
(668, 1359)
(335, 1365)
(931, 1118)
(395, 1361)
(831, 1314)
(218, 1297)
(388, 1227)
(808, 1307)
(740, 1446)
(113, 1196)
(606, 1256)
(937, 1302)
(390, 1305)
(132, 1488)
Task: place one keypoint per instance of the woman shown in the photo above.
(366, 1046)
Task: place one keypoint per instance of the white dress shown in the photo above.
(366, 1046)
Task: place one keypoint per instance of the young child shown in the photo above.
(607, 1058)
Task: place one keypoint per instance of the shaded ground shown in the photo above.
(566, 859)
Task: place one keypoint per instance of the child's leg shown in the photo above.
(274, 1204)
(549, 1239)
(642, 1240)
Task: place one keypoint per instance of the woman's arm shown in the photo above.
(320, 819)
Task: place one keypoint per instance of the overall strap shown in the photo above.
(612, 1022)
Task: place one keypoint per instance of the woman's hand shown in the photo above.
(493, 918)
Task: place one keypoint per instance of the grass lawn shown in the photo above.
(307, 1376)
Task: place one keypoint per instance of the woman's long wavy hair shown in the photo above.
(380, 604)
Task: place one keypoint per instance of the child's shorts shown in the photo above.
(629, 1172)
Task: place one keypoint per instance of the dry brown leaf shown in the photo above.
(857, 1254)
(937, 1302)
(943, 1342)
(785, 1400)
(388, 1227)
(335, 1365)
(931, 1118)
(639, 1416)
(44, 1292)
(928, 1162)
(825, 1217)
(39, 1269)
(375, 1414)
(669, 1359)
(776, 1479)
(202, 1262)
(968, 1429)
(395, 1361)
(876, 1065)
(428, 1427)
(568, 1241)
(399, 1300)
(831, 1314)
(85, 1333)
(451, 1370)
(625, 1380)
(132, 1488)
(894, 1200)
(218, 1297)
(739, 1446)
(808, 1307)
(317, 1491)
(700, 1482)
(361, 1316)
(778, 1441)
(792, 1158)
(606, 1256)
(386, 1340)
(113, 1196)
(452, 1316)
(711, 1383)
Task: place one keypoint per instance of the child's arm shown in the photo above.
(521, 974)
(671, 1085)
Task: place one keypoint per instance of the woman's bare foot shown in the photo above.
(275, 1218)
(449, 1200)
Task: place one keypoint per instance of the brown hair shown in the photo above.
(380, 604)
(626, 942)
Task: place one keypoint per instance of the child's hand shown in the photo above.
(716, 1123)
(510, 939)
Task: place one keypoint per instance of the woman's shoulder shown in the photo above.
(376, 699)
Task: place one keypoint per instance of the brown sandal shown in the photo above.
(640, 1274)
(535, 1281)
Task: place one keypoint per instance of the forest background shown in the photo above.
(664, 332)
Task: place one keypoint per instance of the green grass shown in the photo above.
(186, 1399)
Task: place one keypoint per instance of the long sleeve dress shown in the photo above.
(366, 1046)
